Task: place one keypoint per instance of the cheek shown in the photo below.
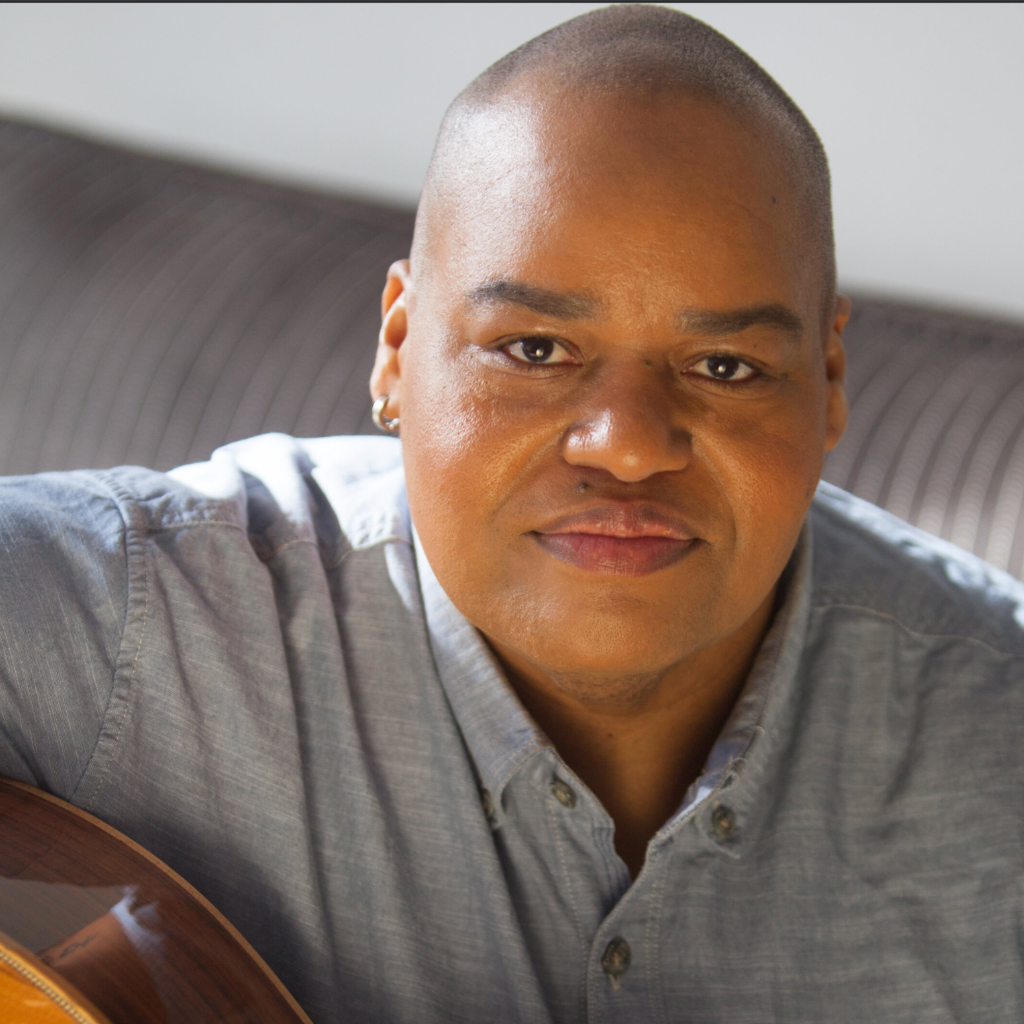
(768, 467)
(465, 450)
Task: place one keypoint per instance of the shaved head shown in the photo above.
(641, 54)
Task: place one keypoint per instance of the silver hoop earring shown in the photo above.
(389, 426)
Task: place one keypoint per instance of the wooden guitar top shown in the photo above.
(95, 930)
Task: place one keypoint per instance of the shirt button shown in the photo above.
(488, 805)
(723, 822)
(616, 960)
(563, 793)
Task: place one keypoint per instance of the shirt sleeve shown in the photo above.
(63, 599)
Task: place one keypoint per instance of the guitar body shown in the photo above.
(95, 930)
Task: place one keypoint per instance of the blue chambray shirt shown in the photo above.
(248, 667)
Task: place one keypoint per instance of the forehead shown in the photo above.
(616, 193)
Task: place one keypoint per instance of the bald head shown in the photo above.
(607, 63)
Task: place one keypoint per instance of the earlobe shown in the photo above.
(380, 418)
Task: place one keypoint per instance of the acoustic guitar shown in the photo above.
(95, 930)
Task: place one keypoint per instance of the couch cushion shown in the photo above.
(151, 311)
(936, 429)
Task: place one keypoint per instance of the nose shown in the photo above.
(629, 428)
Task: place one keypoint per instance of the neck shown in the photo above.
(642, 742)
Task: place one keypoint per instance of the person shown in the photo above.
(585, 701)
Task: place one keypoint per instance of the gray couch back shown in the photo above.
(151, 311)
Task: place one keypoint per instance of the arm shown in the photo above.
(63, 593)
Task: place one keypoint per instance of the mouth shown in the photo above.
(617, 540)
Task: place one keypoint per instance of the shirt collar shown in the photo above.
(766, 695)
(502, 737)
(497, 729)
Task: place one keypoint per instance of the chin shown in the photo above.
(616, 652)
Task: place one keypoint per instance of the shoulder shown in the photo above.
(871, 562)
(34, 503)
(103, 572)
(267, 491)
(248, 485)
(52, 521)
(64, 584)
(344, 492)
(55, 509)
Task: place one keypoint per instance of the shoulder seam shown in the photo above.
(135, 552)
(876, 613)
(166, 527)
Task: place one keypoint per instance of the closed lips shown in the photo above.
(619, 540)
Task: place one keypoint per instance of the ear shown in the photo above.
(386, 378)
(837, 409)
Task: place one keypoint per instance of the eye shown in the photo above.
(726, 368)
(539, 351)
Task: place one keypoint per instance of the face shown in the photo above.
(614, 383)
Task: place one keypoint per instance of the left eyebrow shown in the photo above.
(718, 323)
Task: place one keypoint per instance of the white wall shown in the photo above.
(921, 106)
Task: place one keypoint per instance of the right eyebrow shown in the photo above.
(557, 305)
